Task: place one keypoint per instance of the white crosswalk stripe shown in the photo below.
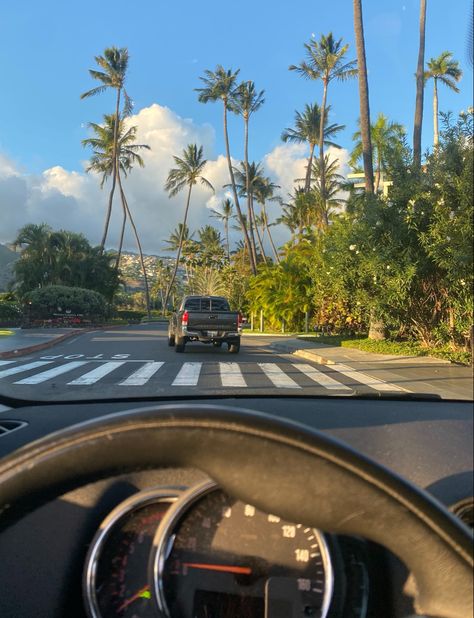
(142, 375)
(20, 368)
(51, 373)
(278, 376)
(358, 376)
(91, 377)
(231, 375)
(321, 378)
(188, 375)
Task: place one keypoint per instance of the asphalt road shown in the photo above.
(136, 361)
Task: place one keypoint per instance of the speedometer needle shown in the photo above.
(225, 568)
(143, 593)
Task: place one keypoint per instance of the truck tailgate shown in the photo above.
(218, 321)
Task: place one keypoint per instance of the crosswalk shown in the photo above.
(337, 378)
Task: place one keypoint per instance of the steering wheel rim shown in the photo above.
(278, 465)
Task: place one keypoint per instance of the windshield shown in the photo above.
(251, 199)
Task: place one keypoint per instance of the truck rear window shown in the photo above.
(206, 304)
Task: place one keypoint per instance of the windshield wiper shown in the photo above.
(396, 395)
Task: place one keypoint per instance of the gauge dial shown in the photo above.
(116, 577)
(221, 558)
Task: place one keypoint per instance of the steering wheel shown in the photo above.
(279, 466)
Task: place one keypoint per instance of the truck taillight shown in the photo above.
(240, 320)
(185, 318)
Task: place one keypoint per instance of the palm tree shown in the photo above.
(211, 252)
(363, 98)
(265, 192)
(386, 137)
(102, 160)
(224, 216)
(307, 128)
(420, 88)
(323, 209)
(247, 101)
(114, 64)
(447, 71)
(220, 85)
(325, 61)
(188, 171)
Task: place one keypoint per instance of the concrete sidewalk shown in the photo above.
(23, 341)
(329, 355)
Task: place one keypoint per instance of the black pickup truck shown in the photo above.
(207, 319)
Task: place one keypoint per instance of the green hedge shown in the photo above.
(130, 315)
(10, 314)
(44, 303)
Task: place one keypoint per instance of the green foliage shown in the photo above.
(10, 313)
(43, 303)
(132, 316)
(62, 258)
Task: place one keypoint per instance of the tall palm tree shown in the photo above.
(102, 160)
(219, 85)
(247, 101)
(307, 130)
(225, 215)
(363, 97)
(323, 209)
(386, 137)
(420, 88)
(447, 71)
(211, 252)
(187, 173)
(326, 60)
(114, 65)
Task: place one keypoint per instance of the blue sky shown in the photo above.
(46, 48)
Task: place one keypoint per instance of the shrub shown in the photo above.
(10, 314)
(130, 315)
(60, 299)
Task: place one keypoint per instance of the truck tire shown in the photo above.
(179, 344)
(171, 341)
(234, 348)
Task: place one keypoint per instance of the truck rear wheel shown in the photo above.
(179, 344)
(234, 348)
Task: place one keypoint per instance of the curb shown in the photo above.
(303, 353)
(41, 346)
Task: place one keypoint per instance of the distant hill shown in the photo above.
(131, 268)
(7, 261)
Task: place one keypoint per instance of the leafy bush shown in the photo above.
(54, 299)
(130, 315)
(10, 314)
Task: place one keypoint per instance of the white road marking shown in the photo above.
(277, 376)
(51, 373)
(13, 370)
(358, 376)
(91, 377)
(6, 362)
(188, 375)
(320, 377)
(142, 375)
(231, 375)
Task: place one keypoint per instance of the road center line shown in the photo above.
(51, 373)
(320, 377)
(188, 375)
(142, 375)
(91, 377)
(231, 375)
(277, 376)
(13, 370)
(363, 378)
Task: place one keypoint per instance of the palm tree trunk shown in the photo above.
(435, 112)
(180, 246)
(260, 244)
(378, 171)
(226, 229)
(363, 98)
(322, 163)
(234, 191)
(114, 172)
(420, 87)
(307, 183)
(267, 227)
(122, 234)
(139, 245)
(247, 188)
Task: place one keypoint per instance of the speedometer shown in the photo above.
(217, 557)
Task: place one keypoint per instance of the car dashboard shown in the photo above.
(169, 542)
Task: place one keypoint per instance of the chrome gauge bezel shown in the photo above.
(140, 499)
(163, 540)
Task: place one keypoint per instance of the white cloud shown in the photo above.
(73, 199)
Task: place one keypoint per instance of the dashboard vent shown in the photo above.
(9, 426)
(465, 511)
